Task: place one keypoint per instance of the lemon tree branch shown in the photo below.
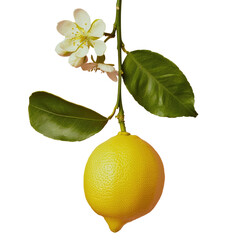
(120, 114)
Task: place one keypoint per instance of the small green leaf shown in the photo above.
(158, 85)
(59, 119)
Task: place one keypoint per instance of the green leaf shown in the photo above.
(158, 85)
(59, 119)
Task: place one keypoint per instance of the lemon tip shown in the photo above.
(114, 224)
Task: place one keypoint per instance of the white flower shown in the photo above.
(80, 36)
(107, 68)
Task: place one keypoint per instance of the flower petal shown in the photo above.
(67, 28)
(105, 67)
(113, 75)
(97, 28)
(82, 51)
(68, 45)
(76, 61)
(88, 66)
(82, 19)
(61, 52)
(99, 47)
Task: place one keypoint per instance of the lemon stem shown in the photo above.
(119, 104)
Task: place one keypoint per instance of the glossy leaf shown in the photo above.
(158, 85)
(59, 119)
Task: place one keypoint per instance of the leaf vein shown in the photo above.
(66, 116)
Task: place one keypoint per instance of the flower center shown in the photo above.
(80, 38)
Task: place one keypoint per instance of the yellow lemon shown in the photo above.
(123, 179)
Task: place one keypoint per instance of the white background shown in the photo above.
(41, 180)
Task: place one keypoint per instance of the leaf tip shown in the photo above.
(194, 113)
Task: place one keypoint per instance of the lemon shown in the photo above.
(123, 179)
